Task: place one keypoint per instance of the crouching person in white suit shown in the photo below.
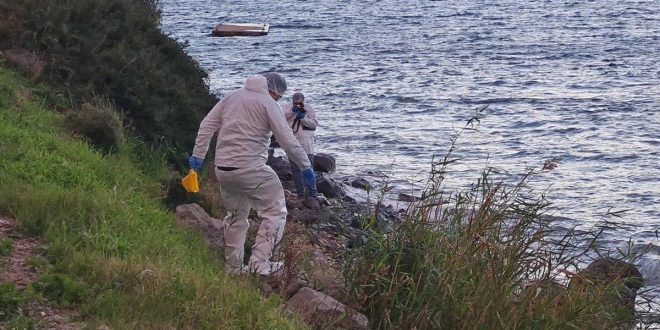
(244, 120)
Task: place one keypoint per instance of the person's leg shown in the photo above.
(312, 191)
(236, 222)
(297, 178)
(268, 200)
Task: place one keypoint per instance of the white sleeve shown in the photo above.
(310, 118)
(209, 125)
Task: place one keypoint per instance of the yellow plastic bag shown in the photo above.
(190, 183)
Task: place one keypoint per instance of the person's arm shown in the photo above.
(310, 117)
(288, 112)
(209, 125)
(284, 136)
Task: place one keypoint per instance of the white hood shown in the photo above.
(257, 83)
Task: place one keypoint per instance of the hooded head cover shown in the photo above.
(298, 97)
(276, 83)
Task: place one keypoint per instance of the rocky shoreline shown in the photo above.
(320, 231)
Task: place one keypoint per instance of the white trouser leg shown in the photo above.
(271, 206)
(236, 222)
(260, 188)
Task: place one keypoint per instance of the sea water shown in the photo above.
(577, 82)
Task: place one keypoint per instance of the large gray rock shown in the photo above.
(321, 310)
(329, 187)
(193, 217)
(612, 273)
(546, 290)
(281, 166)
(324, 163)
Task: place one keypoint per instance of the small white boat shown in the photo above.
(239, 29)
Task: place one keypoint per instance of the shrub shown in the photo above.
(28, 62)
(10, 300)
(470, 260)
(115, 48)
(6, 245)
(100, 125)
(61, 289)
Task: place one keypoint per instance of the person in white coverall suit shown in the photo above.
(244, 120)
(301, 117)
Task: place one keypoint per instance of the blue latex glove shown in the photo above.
(195, 163)
(295, 109)
(309, 179)
(300, 115)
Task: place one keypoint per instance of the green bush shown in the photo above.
(100, 125)
(115, 49)
(6, 245)
(10, 300)
(61, 289)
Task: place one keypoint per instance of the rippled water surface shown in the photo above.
(391, 80)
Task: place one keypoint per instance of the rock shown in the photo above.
(265, 288)
(356, 242)
(312, 204)
(329, 187)
(546, 290)
(322, 310)
(403, 197)
(348, 199)
(324, 163)
(355, 222)
(305, 216)
(306, 210)
(360, 183)
(323, 276)
(608, 272)
(281, 166)
(322, 200)
(293, 286)
(193, 217)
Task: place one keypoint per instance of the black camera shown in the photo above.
(299, 107)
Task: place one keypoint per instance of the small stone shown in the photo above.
(360, 183)
(265, 288)
(403, 197)
(312, 204)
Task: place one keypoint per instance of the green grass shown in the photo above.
(6, 245)
(10, 301)
(106, 230)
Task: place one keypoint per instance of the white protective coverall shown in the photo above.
(305, 137)
(244, 120)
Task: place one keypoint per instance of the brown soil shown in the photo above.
(15, 269)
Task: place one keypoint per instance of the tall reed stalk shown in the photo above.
(483, 258)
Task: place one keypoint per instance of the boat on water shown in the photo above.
(240, 29)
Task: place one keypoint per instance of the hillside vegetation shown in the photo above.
(115, 50)
(106, 230)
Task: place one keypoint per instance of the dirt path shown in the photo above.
(16, 268)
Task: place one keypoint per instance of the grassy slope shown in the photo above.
(105, 229)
